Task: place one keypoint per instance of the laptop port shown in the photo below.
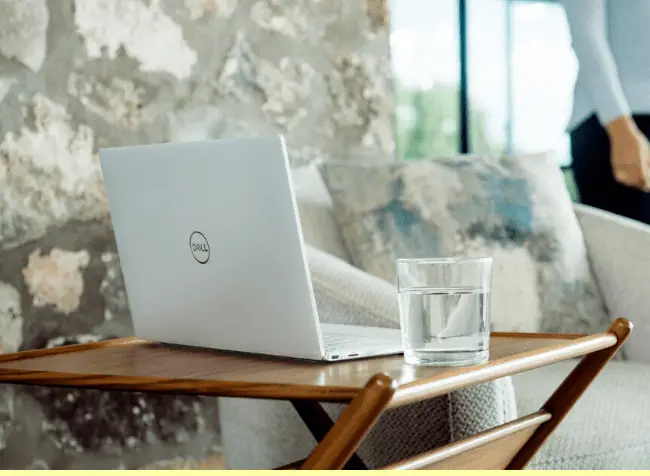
(353, 355)
(334, 357)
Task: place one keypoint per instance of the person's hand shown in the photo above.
(630, 153)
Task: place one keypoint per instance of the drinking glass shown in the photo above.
(444, 307)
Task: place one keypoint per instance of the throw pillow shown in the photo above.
(515, 209)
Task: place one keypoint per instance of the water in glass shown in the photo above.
(445, 326)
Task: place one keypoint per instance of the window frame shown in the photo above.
(464, 144)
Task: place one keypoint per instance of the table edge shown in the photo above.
(538, 335)
(463, 377)
(209, 388)
(64, 349)
(451, 380)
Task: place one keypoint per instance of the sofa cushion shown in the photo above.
(316, 212)
(515, 209)
(609, 427)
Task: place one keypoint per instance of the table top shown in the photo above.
(133, 364)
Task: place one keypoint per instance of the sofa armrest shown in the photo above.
(619, 252)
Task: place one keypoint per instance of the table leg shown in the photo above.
(357, 419)
(569, 391)
(319, 423)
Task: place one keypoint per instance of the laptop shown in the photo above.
(212, 253)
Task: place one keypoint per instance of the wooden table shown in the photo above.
(369, 386)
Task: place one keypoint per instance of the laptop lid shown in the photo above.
(210, 246)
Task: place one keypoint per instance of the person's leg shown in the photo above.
(593, 173)
(643, 122)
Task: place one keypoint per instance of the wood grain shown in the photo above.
(536, 335)
(125, 364)
(491, 449)
(66, 349)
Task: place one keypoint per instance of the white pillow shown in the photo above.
(347, 295)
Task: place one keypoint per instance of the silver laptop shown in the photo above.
(211, 250)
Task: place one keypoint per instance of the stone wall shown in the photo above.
(78, 75)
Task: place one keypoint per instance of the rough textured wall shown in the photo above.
(78, 75)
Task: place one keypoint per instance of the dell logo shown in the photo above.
(199, 247)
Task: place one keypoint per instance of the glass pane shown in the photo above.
(544, 69)
(487, 72)
(425, 61)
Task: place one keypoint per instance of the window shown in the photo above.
(544, 69)
(487, 72)
(510, 92)
(425, 60)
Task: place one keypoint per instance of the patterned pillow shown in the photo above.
(515, 209)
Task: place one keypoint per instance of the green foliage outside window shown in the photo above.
(427, 123)
(427, 126)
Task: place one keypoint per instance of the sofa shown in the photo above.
(607, 429)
